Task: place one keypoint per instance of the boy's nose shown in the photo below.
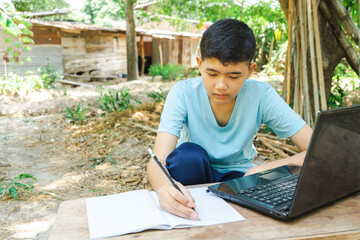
(220, 83)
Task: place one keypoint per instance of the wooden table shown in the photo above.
(340, 220)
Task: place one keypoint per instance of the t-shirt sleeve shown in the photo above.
(174, 113)
(277, 114)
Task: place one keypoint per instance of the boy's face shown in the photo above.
(221, 82)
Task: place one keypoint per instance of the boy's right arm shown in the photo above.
(170, 199)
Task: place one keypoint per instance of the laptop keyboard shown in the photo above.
(273, 194)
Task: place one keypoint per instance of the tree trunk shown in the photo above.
(131, 47)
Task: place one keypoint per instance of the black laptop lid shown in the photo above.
(332, 165)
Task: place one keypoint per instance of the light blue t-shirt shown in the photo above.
(188, 115)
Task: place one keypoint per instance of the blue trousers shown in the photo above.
(190, 164)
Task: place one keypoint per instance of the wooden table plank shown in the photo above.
(340, 220)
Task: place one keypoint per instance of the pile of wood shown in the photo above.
(269, 145)
(304, 52)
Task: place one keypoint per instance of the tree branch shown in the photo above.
(344, 18)
(350, 52)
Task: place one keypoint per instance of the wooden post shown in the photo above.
(288, 54)
(312, 57)
(143, 60)
(5, 70)
(319, 56)
(160, 52)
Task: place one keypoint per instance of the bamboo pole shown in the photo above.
(296, 65)
(312, 57)
(304, 64)
(319, 56)
(288, 54)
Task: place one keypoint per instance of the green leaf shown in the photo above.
(18, 44)
(8, 24)
(26, 175)
(13, 192)
(7, 6)
(111, 159)
(24, 186)
(2, 189)
(26, 39)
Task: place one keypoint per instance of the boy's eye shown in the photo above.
(212, 74)
(234, 77)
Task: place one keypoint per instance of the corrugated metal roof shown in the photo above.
(74, 25)
(156, 33)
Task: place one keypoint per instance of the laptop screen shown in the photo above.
(332, 165)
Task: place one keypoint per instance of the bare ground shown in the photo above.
(35, 138)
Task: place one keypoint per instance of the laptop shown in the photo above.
(331, 171)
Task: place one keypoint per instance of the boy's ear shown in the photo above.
(251, 68)
(198, 60)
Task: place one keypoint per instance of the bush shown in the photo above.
(14, 84)
(158, 95)
(48, 75)
(115, 100)
(12, 187)
(168, 71)
(76, 116)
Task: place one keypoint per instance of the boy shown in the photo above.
(216, 117)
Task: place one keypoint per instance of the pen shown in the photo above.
(152, 154)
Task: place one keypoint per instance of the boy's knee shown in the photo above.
(189, 164)
(188, 154)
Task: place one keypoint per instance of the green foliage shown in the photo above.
(7, 8)
(168, 71)
(14, 84)
(158, 95)
(38, 6)
(77, 115)
(276, 64)
(48, 74)
(343, 81)
(352, 6)
(115, 100)
(12, 187)
(103, 12)
(99, 160)
(19, 28)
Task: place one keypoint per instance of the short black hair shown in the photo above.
(229, 41)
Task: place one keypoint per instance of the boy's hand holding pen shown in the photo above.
(193, 216)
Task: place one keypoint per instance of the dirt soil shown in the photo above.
(36, 138)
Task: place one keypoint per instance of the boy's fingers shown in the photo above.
(175, 202)
(179, 209)
(184, 198)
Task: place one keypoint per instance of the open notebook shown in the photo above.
(139, 210)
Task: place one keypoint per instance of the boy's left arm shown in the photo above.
(301, 140)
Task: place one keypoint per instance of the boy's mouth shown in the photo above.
(217, 95)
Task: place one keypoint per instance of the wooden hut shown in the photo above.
(84, 52)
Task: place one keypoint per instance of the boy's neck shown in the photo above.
(222, 112)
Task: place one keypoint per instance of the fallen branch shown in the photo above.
(276, 150)
(283, 146)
